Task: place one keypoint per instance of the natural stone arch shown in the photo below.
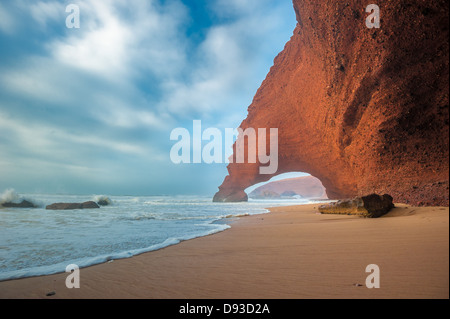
(364, 110)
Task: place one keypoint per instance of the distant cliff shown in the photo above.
(364, 110)
(306, 187)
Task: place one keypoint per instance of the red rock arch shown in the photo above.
(364, 110)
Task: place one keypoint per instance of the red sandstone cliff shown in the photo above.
(364, 110)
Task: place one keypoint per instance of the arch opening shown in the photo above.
(292, 185)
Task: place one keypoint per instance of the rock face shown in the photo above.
(371, 206)
(364, 110)
(70, 206)
(23, 204)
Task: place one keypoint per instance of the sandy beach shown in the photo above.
(290, 253)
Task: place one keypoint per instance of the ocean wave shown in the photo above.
(11, 196)
(102, 200)
(165, 217)
(236, 215)
(128, 200)
(90, 261)
(138, 217)
(138, 224)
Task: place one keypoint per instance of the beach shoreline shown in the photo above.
(293, 252)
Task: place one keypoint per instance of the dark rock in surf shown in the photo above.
(71, 206)
(22, 204)
(104, 202)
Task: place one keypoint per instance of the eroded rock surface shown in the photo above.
(371, 206)
(364, 110)
(70, 206)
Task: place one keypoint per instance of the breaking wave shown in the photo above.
(102, 200)
(11, 196)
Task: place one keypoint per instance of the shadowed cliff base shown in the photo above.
(364, 110)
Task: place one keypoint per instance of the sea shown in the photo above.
(36, 241)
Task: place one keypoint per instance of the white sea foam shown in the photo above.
(9, 196)
(89, 261)
(36, 242)
(103, 200)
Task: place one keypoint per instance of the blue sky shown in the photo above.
(90, 110)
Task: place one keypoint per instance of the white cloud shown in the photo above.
(232, 58)
(63, 88)
(221, 68)
(35, 153)
(45, 11)
(112, 44)
(148, 41)
(39, 79)
(7, 23)
(48, 141)
(100, 49)
(34, 14)
(118, 112)
(131, 71)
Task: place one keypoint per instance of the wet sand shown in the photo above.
(290, 253)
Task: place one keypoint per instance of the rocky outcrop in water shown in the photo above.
(70, 206)
(364, 110)
(23, 204)
(102, 200)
